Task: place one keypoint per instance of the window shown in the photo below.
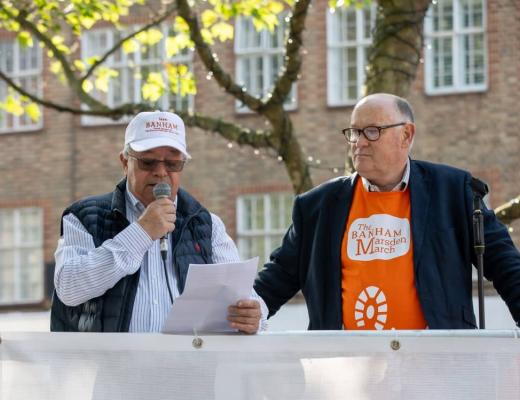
(348, 37)
(133, 70)
(24, 66)
(259, 58)
(455, 55)
(21, 255)
(263, 220)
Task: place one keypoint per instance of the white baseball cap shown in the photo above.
(151, 129)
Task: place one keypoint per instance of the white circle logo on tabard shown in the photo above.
(371, 308)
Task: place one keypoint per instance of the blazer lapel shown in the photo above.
(420, 205)
(337, 220)
(338, 214)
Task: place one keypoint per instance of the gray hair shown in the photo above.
(127, 148)
(404, 108)
(126, 151)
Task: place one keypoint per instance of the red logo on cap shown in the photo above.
(162, 124)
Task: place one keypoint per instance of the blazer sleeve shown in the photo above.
(502, 262)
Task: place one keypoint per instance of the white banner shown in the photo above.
(294, 365)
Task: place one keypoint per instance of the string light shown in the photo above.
(311, 161)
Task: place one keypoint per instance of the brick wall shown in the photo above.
(65, 160)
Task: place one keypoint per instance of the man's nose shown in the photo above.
(362, 140)
(160, 169)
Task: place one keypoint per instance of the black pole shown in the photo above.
(479, 245)
(480, 189)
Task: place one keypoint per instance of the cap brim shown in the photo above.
(152, 143)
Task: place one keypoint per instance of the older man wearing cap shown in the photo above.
(109, 275)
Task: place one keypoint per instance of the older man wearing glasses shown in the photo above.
(391, 246)
(110, 275)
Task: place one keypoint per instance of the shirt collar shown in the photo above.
(135, 203)
(400, 187)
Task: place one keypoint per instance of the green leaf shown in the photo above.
(153, 89)
(130, 46)
(87, 86)
(177, 43)
(103, 76)
(223, 31)
(33, 111)
(207, 36)
(12, 105)
(149, 37)
(25, 39)
(80, 65)
(208, 17)
(55, 67)
(180, 25)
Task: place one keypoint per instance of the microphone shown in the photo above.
(161, 191)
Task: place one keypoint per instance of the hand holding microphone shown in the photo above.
(159, 217)
(162, 191)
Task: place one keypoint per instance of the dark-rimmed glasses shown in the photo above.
(372, 133)
(149, 164)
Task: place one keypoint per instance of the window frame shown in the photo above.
(264, 51)
(457, 34)
(361, 44)
(267, 233)
(135, 60)
(16, 75)
(18, 246)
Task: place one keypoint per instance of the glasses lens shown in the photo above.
(174, 165)
(149, 164)
(146, 164)
(352, 134)
(372, 133)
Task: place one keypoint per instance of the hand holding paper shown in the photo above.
(210, 289)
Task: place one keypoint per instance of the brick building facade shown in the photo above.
(472, 127)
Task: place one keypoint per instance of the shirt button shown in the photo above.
(155, 302)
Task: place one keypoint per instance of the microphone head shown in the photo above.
(162, 190)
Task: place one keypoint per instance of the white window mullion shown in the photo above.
(263, 238)
(17, 249)
(360, 54)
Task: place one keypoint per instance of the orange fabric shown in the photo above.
(378, 284)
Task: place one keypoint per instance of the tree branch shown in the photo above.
(229, 131)
(113, 113)
(293, 59)
(212, 65)
(509, 211)
(114, 48)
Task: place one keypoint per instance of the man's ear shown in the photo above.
(124, 162)
(409, 134)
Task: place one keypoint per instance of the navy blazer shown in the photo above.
(441, 217)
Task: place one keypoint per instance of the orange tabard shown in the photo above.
(378, 284)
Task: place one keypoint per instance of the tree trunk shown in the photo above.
(397, 44)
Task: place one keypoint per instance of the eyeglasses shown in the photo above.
(149, 164)
(372, 133)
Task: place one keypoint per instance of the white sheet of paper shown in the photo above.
(210, 289)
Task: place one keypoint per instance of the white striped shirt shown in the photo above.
(84, 271)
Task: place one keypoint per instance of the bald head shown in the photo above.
(400, 105)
